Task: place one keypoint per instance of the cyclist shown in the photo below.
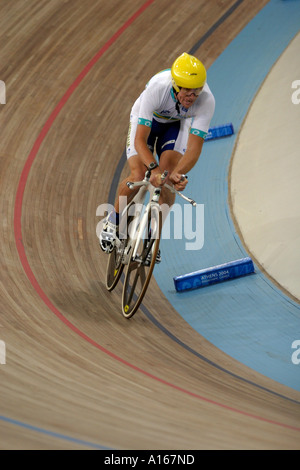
(171, 118)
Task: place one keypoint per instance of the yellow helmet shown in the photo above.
(188, 72)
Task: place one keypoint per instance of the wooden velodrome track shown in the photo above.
(77, 374)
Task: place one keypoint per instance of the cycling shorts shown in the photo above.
(172, 135)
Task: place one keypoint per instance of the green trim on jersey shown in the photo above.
(172, 94)
(145, 122)
(198, 132)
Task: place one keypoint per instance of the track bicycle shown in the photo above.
(137, 243)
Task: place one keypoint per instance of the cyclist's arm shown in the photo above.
(188, 161)
(140, 143)
(200, 125)
(141, 137)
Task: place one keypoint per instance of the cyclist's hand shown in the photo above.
(156, 178)
(179, 181)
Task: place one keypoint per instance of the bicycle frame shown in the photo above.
(138, 225)
(139, 237)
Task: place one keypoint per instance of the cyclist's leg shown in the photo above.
(136, 173)
(111, 223)
(124, 194)
(136, 167)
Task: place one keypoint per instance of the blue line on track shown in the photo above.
(56, 435)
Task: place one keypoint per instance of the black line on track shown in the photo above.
(215, 26)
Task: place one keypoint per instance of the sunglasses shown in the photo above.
(191, 91)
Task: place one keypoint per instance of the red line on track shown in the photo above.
(18, 226)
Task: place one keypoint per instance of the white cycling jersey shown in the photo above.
(158, 101)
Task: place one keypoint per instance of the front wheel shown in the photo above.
(115, 264)
(139, 270)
